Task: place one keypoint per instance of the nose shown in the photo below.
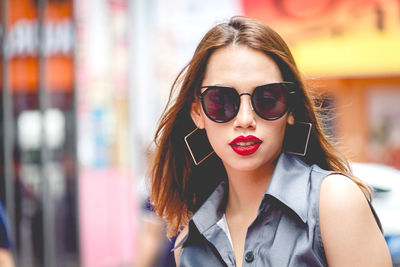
(246, 116)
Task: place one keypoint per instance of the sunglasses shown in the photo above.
(269, 101)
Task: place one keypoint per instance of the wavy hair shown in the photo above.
(178, 187)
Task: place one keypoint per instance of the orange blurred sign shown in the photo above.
(336, 37)
(23, 44)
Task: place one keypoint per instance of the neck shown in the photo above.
(246, 189)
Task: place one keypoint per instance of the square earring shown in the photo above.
(198, 145)
(297, 137)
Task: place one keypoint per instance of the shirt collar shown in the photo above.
(289, 184)
(212, 210)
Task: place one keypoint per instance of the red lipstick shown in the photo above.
(245, 145)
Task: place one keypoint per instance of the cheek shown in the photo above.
(281, 134)
(281, 129)
(274, 134)
(217, 135)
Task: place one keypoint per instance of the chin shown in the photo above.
(246, 165)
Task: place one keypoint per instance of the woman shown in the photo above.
(275, 192)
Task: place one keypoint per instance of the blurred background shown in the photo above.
(83, 84)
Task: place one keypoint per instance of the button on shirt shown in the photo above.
(286, 231)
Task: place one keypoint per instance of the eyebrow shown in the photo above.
(229, 86)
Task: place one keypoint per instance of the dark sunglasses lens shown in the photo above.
(220, 103)
(270, 101)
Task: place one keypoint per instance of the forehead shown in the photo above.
(241, 67)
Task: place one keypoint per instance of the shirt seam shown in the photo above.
(321, 248)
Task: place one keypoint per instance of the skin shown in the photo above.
(349, 232)
(6, 258)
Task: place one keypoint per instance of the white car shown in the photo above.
(385, 184)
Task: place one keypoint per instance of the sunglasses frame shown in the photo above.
(288, 90)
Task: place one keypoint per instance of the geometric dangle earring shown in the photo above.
(297, 137)
(198, 145)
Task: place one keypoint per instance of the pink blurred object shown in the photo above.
(107, 211)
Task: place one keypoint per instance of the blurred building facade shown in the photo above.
(38, 125)
(65, 176)
(107, 206)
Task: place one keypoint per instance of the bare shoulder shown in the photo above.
(350, 234)
(339, 191)
(179, 239)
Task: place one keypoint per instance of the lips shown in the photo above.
(245, 145)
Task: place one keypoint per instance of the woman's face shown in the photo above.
(244, 69)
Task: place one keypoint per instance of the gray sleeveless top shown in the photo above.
(286, 231)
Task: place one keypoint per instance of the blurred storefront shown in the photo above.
(65, 166)
(348, 52)
(108, 211)
(38, 125)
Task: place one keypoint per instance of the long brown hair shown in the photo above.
(178, 186)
